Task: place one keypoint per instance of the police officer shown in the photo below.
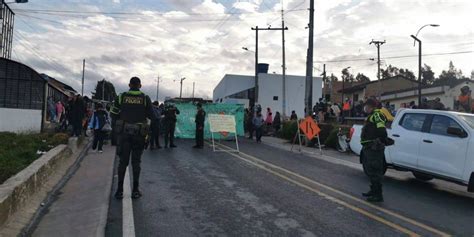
(200, 117)
(170, 124)
(373, 140)
(131, 110)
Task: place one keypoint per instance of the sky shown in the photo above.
(202, 40)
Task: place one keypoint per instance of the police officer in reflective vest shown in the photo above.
(131, 110)
(200, 117)
(374, 139)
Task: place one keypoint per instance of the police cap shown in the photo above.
(370, 102)
(135, 81)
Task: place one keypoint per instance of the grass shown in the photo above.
(17, 151)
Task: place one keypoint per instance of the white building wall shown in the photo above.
(270, 85)
(20, 120)
(232, 84)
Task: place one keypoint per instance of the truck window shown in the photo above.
(440, 125)
(469, 119)
(413, 122)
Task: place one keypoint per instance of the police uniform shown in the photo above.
(200, 117)
(131, 110)
(170, 124)
(373, 139)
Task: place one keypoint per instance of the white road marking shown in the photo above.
(128, 224)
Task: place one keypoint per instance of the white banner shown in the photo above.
(221, 123)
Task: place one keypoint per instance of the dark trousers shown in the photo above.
(76, 128)
(258, 133)
(99, 137)
(129, 145)
(200, 135)
(169, 133)
(251, 132)
(373, 162)
(155, 134)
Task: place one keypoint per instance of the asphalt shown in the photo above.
(268, 191)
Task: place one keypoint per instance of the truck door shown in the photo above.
(443, 153)
(407, 135)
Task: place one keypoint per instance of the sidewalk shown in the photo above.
(329, 155)
(81, 206)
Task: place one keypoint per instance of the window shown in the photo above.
(440, 125)
(275, 97)
(469, 119)
(413, 122)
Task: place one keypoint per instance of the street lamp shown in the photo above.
(343, 84)
(415, 37)
(181, 87)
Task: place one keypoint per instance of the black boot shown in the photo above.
(119, 194)
(136, 193)
(377, 195)
(369, 193)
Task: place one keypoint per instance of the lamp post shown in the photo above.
(416, 39)
(181, 87)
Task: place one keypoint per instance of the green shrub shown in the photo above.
(17, 151)
(288, 130)
(332, 139)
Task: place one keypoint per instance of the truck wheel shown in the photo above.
(422, 177)
(470, 187)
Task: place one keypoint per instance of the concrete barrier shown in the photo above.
(16, 192)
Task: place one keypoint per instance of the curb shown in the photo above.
(52, 194)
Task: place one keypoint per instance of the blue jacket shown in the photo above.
(95, 122)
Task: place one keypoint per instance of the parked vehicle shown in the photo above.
(430, 144)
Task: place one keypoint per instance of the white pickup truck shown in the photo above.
(431, 144)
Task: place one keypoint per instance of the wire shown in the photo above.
(393, 57)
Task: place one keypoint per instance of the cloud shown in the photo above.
(202, 41)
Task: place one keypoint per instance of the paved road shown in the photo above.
(265, 191)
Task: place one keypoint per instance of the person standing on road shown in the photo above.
(170, 124)
(373, 140)
(77, 115)
(131, 110)
(200, 118)
(155, 127)
(258, 126)
(97, 122)
(52, 110)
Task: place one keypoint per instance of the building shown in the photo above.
(22, 97)
(448, 94)
(332, 90)
(377, 88)
(59, 91)
(240, 88)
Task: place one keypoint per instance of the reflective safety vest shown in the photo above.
(346, 106)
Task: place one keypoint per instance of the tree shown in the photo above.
(362, 78)
(333, 78)
(347, 76)
(450, 76)
(392, 71)
(106, 87)
(472, 75)
(427, 75)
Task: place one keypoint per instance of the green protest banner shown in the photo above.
(186, 127)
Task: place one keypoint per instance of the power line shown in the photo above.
(392, 57)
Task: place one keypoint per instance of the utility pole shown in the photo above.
(83, 69)
(103, 89)
(284, 63)
(309, 62)
(378, 44)
(324, 77)
(157, 87)
(256, 29)
(181, 87)
(193, 90)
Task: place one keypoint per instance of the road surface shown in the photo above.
(268, 191)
